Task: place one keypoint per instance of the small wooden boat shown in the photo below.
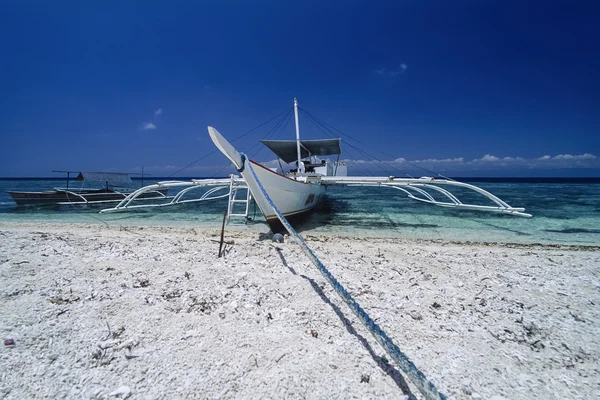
(111, 187)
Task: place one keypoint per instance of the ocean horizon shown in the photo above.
(524, 179)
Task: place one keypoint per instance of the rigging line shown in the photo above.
(321, 127)
(362, 151)
(239, 137)
(193, 162)
(375, 163)
(362, 166)
(382, 152)
(281, 129)
(316, 120)
(271, 132)
(428, 170)
(330, 127)
(331, 136)
(356, 163)
(352, 161)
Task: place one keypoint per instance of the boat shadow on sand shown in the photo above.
(382, 362)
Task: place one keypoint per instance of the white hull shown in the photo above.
(292, 197)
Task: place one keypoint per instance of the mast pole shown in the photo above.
(297, 132)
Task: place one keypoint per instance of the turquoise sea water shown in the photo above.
(564, 212)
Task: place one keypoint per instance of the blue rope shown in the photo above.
(425, 386)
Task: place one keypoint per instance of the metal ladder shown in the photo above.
(233, 200)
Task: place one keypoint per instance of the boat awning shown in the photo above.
(287, 151)
(112, 177)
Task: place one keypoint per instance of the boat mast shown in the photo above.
(297, 132)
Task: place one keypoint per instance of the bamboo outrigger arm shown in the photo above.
(216, 187)
(419, 189)
(416, 189)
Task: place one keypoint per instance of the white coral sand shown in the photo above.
(148, 313)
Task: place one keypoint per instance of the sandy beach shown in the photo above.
(99, 312)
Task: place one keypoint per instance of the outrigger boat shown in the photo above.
(113, 187)
(298, 191)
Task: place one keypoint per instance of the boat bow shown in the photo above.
(227, 148)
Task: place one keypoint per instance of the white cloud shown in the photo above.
(491, 162)
(585, 156)
(399, 70)
(458, 160)
(148, 126)
(392, 72)
(487, 158)
(158, 112)
(588, 156)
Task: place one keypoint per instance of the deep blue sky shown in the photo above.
(463, 87)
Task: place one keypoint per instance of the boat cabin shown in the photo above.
(310, 150)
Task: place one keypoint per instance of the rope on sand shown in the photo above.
(425, 386)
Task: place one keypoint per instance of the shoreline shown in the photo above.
(152, 311)
(263, 230)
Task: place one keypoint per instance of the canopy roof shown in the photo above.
(112, 177)
(287, 151)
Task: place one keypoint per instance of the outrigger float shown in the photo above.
(300, 189)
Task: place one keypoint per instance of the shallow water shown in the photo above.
(564, 212)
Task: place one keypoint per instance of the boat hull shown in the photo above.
(296, 220)
(77, 196)
(294, 198)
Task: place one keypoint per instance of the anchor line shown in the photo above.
(425, 386)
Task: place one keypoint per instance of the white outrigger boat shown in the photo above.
(301, 189)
